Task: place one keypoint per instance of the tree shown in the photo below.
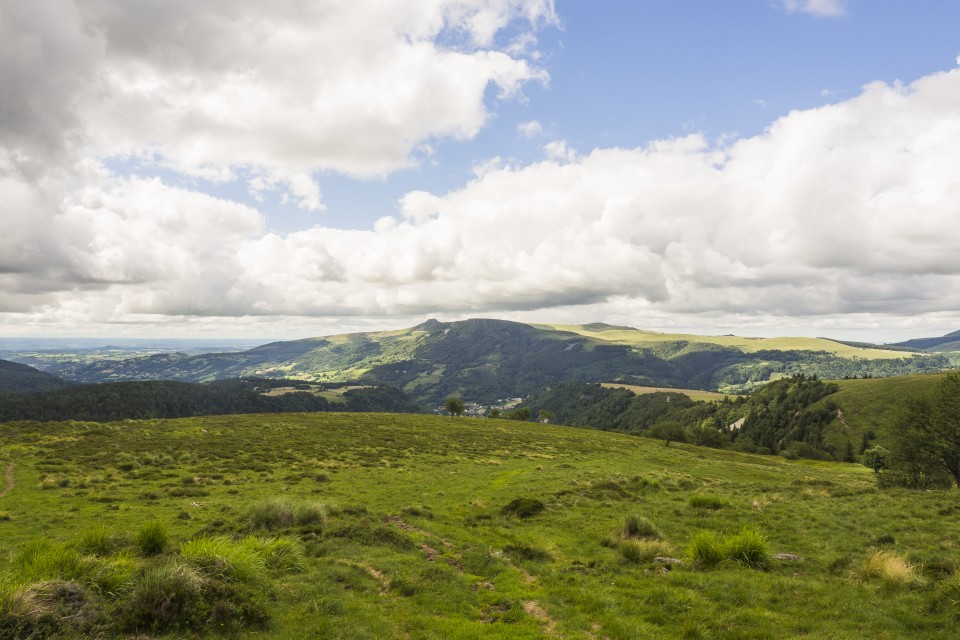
(926, 448)
(876, 458)
(494, 413)
(545, 416)
(454, 406)
(706, 435)
(668, 431)
(522, 414)
(849, 457)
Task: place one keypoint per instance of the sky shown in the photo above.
(240, 169)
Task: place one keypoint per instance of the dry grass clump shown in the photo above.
(891, 570)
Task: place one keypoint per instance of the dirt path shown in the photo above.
(9, 477)
(431, 554)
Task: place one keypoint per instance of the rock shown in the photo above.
(788, 557)
(666, 560)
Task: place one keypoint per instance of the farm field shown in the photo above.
(697, 395)
(414, 526)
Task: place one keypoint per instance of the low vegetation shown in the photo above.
(413, 526)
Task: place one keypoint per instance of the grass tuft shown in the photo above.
(168, 596)
(706, 549)
(271, 514)
(100, 541)
(639, 527)
(891, 570)
(523, 507)
(748, 548)
(642, 551)
(225, 560)
(152, 538)
(707, 502)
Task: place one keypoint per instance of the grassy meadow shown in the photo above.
(639, 337)
(413, 526)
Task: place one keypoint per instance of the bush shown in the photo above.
(523, 507)
(639, 527)
(152, 538)
(705, 501)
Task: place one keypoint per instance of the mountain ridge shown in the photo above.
(487, 360)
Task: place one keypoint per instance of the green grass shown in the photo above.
(636, 337)
(414, 541)
(705, 501)
(872, 404)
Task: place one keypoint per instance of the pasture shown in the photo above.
(413, 526)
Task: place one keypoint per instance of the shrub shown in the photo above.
(706, 549)
(890, 569)
(642, 551)
(639, 527)
(523, 507)
(152, 538)
(748, 548)
(706, 501)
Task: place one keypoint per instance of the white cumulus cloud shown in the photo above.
(850, 208)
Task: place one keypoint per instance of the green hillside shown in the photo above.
(20, 378)
(941, 344)
(872, 405)
(430, 527)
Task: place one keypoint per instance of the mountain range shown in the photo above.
(486, 361)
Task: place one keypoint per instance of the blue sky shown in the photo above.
(623, 73)
(229, 169)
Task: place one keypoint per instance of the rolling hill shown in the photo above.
(486, 360)
(871, 406)
(943, 344)
(20, 378)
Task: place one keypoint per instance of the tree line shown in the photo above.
(167, 399)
